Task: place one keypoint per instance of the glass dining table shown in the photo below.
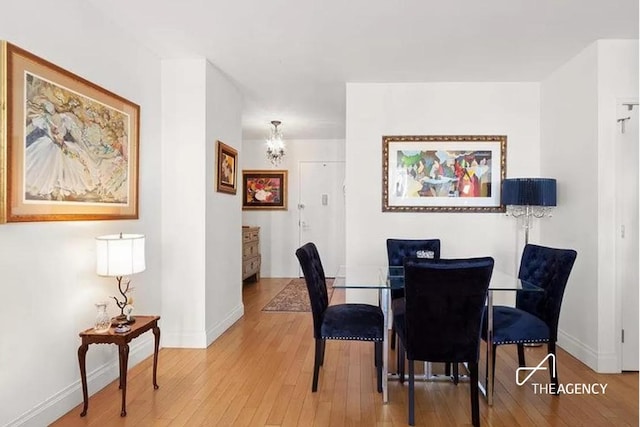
(384, 278)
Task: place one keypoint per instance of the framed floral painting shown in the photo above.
(68, 148)
(264, 189)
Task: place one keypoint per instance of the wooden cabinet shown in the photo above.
(251, 258)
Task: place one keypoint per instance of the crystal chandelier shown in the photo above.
(275, 144)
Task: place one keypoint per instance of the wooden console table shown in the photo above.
(122, 340)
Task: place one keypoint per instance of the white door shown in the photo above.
(322, 212)
(627, 256)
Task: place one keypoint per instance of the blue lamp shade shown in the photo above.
(529, 192)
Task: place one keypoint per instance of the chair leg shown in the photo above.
(447, 369)
(401, 357)
(316, 364)
(521, 361)
(324, 342)
(378, 351)
(393, 337)
(412, 420)
(486, 367)
(456, 374)
(473, 383)
(553, 370)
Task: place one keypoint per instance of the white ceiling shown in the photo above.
(292, 58)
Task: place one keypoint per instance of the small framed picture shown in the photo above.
(264, 189)
(227, 169)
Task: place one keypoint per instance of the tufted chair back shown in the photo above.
(444, 306)
(309, 259)
(548, 268)
(399, 249)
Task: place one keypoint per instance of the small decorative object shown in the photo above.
(264, 189)
(122, 328)
(68, 148)
(425, 254)
(275, 144)
(119, 255)
(443, 173)
(227, 169)
(103, 321)
(128, 310)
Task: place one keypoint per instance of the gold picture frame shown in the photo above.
(443, 173)
(264, 189)
(68, 147)
(227, 163)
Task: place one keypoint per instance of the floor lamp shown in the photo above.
(529, 198)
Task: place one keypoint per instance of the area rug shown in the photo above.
(294, 297)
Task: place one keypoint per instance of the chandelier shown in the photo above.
(275, 144)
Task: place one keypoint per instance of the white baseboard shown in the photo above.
(70, 397)
(214, 332)
(201, 339)
(184, 339)
(600, 363)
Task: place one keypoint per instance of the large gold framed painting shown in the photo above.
(68, 148)
(443, 173)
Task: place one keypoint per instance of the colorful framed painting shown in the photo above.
(68, 148)
(227, 169)
(443, 173)
(264, 189)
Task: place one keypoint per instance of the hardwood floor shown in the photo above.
(258, 373)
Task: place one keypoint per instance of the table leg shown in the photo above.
(124, 358)
(489, 376)
(121, 372)
(386, 303)
(82, 353)
(156, 334)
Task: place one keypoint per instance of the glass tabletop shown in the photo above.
(385, 277)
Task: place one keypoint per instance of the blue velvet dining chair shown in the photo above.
(397, 251)
(535, 317)
(444, 305)
(351, 321)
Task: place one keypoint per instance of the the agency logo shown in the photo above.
(549, 388)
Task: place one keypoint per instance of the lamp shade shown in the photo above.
(120, 254)
(529, 192)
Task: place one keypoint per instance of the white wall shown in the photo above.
(279, 229)
(49, 285)
(578, 128)
(183, 202)
(570, 143)
(374, 110)
(223, 283)
(201, 229)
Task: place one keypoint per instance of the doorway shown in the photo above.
(627, 190)
(321, 211)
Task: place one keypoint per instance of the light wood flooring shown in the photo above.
(258, 373)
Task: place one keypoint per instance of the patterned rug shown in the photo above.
(294, 297)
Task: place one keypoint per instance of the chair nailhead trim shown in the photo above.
(519, 342)
(352, 338)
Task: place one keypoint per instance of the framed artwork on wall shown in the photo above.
(68, 148)
(264, 189)
(443, 173)
(227, 169)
